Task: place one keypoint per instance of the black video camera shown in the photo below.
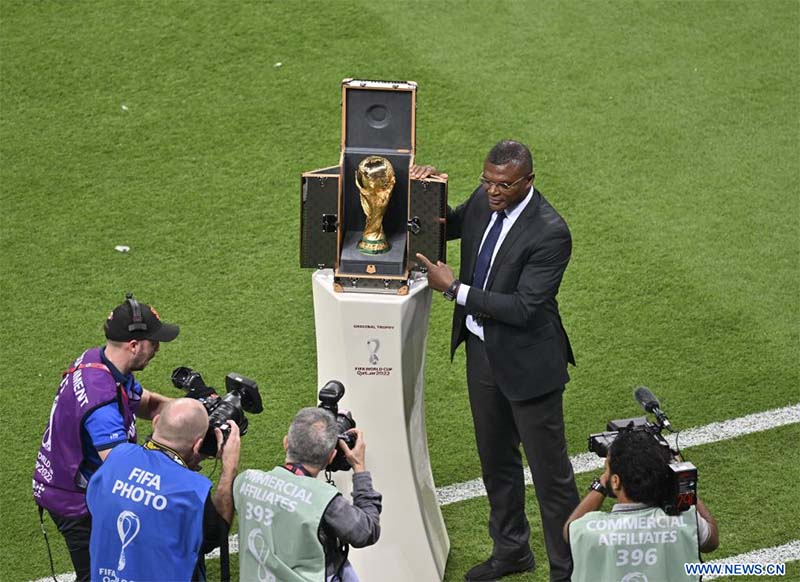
(329, 397)
(242, 394)
(681, 487)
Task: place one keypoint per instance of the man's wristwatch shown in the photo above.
(450, 294)
(598, 486)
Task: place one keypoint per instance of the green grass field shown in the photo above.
(666, 133)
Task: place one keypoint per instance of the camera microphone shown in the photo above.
(649, 402)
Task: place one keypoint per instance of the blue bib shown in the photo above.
(147, 517)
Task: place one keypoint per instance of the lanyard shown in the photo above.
(152, 445)
(297, 469)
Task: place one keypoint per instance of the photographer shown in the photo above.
(295, 527)
(153, 516)
(637, 536)
(95, 410)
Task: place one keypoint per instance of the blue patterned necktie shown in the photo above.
(487, 250)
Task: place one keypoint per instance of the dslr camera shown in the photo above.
(242, 394)
(329, 397)
(681, 487)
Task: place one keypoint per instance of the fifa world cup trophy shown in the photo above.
(375, 180)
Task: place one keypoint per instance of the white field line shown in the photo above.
(789, 552)
(701, 435)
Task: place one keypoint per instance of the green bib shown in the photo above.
(645, 545)
(279, 517)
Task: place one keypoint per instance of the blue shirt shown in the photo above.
(104, 428)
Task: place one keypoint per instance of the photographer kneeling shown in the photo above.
(153, 516)
(637, 537)
(294, 527)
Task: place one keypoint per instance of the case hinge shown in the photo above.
(414, 225)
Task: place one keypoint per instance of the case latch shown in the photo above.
(329, 223)
(413, 225)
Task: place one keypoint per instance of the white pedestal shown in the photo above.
(375, 345)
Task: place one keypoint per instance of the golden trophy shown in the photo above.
(375, 180)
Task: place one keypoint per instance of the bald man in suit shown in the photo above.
(514, 250)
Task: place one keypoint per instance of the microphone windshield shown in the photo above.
(646, 399)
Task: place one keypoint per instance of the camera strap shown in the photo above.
(329, 477)
(47, 541)
(224, 553)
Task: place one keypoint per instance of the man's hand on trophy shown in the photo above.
(440, 275)
(422, 172)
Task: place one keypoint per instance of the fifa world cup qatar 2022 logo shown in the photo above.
(128, 526)
(259, 550)
(373, 345)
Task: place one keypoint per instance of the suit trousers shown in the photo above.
(76, 532)
(501, 425)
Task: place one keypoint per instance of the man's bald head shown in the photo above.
(181, 423)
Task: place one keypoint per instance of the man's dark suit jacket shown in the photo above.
(527, 346)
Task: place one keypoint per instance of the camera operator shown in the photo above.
(637, 536)
(295, 527)
(95, 410)
(153, 516)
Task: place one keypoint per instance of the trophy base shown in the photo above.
(354, 261)
(374, 246)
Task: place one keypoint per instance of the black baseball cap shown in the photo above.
(132, 320)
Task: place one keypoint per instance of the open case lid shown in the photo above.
(379, 115)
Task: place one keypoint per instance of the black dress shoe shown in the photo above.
(492, 569)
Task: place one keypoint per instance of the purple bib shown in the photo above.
(58, 484)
